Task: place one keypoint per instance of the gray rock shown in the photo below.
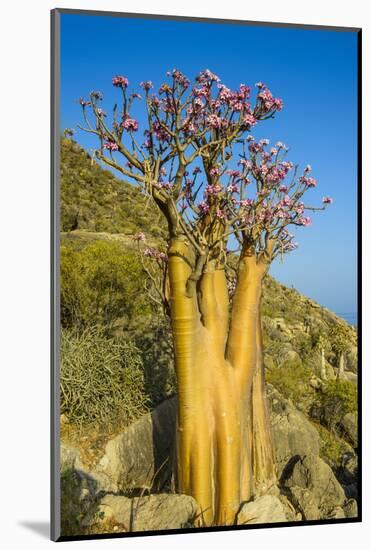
(313, 487)
(351, 508)
(148, 513)
(141, 456)
(349, 424)
(69, 458)
(265, 509)
(293, 434)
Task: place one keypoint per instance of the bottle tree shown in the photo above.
(228, 201)
(340, 342)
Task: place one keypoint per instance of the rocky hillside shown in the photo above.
(118, 447)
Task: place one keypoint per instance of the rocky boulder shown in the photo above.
(264, 509)
(349, 425)
(147, 513)
(142, 455)
(293, 434)
(313, 488)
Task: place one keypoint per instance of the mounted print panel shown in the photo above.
(205, 365)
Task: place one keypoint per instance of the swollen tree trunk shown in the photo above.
(223, 435)
(341, 365)
(323, 365)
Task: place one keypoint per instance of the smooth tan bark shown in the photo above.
(215, 361)
(263, 454)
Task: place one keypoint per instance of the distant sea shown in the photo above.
(350, 318)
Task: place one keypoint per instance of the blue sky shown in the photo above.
(314, 72)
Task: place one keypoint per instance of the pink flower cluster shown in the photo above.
(160, 132)
(110, 146)
(214, 171)
(146, 85)
(129, 124)
(213, 189)
(155, 254)
(207, 77)
(216, 122)
(327, 200)
(120, 81)
(203, 208)
(84, 103)
(268, 101)
(304, 221)
(139, 237)
(179, 77)
(309, 182)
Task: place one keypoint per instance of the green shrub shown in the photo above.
(102, 380)
(291, 379)
(101, 283)
(337, 398)
(331, 447)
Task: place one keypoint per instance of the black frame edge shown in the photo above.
(55, 531)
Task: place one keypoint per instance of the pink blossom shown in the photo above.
(234, 173)
(201, 92)
(110, 146)
(232, 188)
(146, 85)
(213, 189)
(280, 145)
(129, 124)
(221, 214)
(160, 132)
(255, 147)
(300, 208)
(214, 172)
(244, 91)
(120, 81)
(101, 113)
(246, 203)
(304, 221)
(179, 77)
(97, 95)
(287, 166)
(309, 182)
(278, 103)
(207, 77)
(308, 168)
(249, 120)
(246, 163)
(203, 208)
(327, 200)
(283, 189)
(139, 237)
(155, 254)
(267, 98)
(84, 103)
(214, 121)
